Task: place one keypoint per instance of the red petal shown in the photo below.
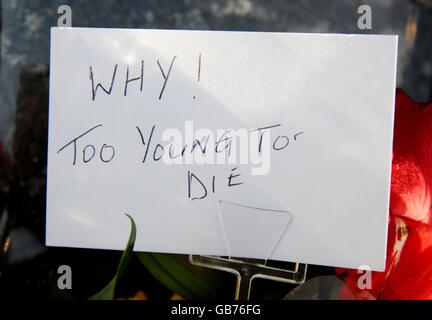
(397, 236)
(411, 184)
(412, 276)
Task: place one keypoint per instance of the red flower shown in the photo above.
(411, 184)
(408, 273)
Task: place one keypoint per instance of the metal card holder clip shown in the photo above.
(248, 269)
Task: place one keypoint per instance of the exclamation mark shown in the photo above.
(199, 69)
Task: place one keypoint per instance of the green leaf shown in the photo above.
(319, 288)
(189, 281)
(107, 293)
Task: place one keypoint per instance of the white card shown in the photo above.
(295, 143)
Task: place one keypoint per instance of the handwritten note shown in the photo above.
(247, 144)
